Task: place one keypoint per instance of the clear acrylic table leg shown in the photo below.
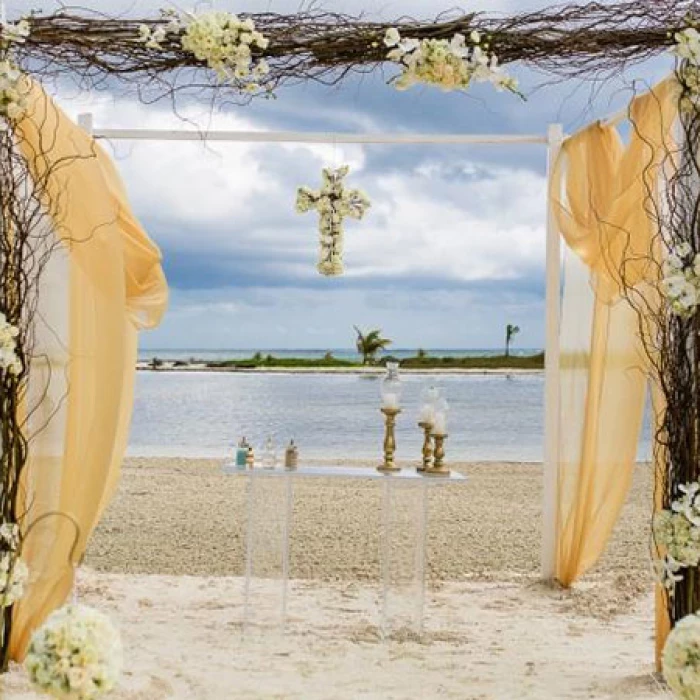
(403, 557)
(267, 567)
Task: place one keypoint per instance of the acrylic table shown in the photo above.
(402, 542)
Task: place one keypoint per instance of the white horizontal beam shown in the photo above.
(291, 137)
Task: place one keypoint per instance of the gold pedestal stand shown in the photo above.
(427, 446)
(389, 466)
(438, 468)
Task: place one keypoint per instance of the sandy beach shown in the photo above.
(177, 516)
(168, 557)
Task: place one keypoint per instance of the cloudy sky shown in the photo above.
(451, 251)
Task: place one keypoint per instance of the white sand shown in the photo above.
(483, 640)
(492, 631)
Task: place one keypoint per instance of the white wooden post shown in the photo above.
(555, 138)
(85, 122)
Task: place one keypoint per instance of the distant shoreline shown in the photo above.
(368, 371)
(421, 363)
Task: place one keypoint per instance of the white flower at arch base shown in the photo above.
(8, 347)
(334, 203)
(681, 658)
(230, 46)
(451, 65)
(75, 655)
(681, 280)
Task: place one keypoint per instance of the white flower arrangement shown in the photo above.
(333, 203)
(687, 49)
(13, 571)
(8, 347)
(451, 65)
(681, 280)
(14, 575)
(13, 103)
(14, 32)
(75, 655)
(222, 40)
(677, 531)
(687, 46)
(681, 658)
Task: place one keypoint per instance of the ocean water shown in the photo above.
(202, 414)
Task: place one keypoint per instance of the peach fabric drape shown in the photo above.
(599, 193)
(103, 282)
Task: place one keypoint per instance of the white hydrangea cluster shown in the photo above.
(222, 40)
(75, 655)
(687, 46)
(14, 33)
(452, 65)
(8, 347)
(681, 658)
(14, 575)
(681, 280)
(13, 103)
(677, 531)
(13, 571)
(333, 202)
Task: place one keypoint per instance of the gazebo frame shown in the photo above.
(553, 141)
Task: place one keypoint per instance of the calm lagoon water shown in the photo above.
(200, 414)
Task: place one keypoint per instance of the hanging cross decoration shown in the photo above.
(333, 203)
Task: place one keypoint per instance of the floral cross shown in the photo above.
(333, 203)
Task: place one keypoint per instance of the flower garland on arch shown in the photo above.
(12, 99)
(451, 65)
(14, 573)
(230, 46)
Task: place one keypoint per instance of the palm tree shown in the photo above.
(511, 332)
(370, 345)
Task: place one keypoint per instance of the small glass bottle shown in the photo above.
(291, 456)
(269, 457)
(242, 453)
(250, 458)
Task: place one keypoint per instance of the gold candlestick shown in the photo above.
(389, 466)
(427, 445)
(439, 468)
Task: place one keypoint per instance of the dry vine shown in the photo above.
(589, 40)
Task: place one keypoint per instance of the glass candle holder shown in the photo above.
(430, 396)
(391, 387)
(442, 410)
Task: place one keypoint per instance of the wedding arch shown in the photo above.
(637, 241)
